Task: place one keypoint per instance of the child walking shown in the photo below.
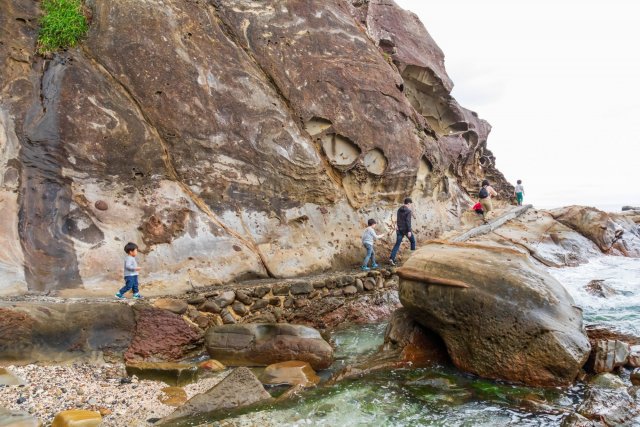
(130, 272)
(368, 238)
(519, 192)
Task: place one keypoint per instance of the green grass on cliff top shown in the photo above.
(62, 25)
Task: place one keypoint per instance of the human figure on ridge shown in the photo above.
(131, 270)
(485, 194)
(368, 238)
(403, 228)
(518, 192)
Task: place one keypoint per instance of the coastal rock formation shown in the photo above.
(499, 315)
(57, 332)
(614, 234)
(239, 389)
(265, 344)
(229, 139)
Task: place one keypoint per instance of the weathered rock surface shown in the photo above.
(293, 372)
(499, 315)
(614, 234)
(9, 378)
(546, 240)
(17, 419)
(239, 389)
(160, 335)
(77, 418)
(174, 374)
(170, 304)
(264, 344)
(600, 289)
(606, 355)
(416, 344)
(250, 166)
(63, 331)
(609, 401)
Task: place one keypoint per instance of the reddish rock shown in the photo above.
(162, 336)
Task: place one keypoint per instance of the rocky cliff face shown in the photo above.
(228, 138)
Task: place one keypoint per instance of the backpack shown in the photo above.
(483, 194)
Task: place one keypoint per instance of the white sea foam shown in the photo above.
(622, 311)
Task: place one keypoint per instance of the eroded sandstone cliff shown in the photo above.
(228, 138)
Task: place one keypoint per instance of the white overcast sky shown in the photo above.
(559, 81)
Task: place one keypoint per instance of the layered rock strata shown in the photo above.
(228, 139)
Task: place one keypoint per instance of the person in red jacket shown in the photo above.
(403, 228)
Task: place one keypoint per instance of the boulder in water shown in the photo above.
(599, 289)
(609, 401)
(606, 355)
(499, 315)
(239, 389)
(634, 356)
(266, 343)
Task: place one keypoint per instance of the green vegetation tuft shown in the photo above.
(62, 25)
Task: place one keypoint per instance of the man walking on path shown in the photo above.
(403, 228)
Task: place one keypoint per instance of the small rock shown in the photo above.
(292, 372)
(240, 309)
(21, 400)
(173, 396)
(196, 300)
(77, 417)
(607, 381)
(260, 291)
(259, 304)
(350, 290)
(211, 365)
(227, 317)
(171, 304)
(282, 289)
(359, 285)
(606, 355)
(301, 288)
(369, 284)
(243, 297)
(101, 205)
(210, 307)
(225, 299)
(275, 301)
(599, 289)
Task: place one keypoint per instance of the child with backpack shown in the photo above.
(485, 194)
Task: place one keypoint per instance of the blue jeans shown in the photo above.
(130, 282)
(399, 236)
(371, 254)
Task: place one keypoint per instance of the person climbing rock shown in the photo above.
(485, 195)
(403, 228)
(131, 270)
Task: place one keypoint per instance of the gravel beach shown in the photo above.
(104, 388)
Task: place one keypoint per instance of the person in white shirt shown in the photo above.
(518, 192)
(368, 238)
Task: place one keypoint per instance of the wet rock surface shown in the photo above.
(239, 389)
(293, 372)
(472, 295)
(264, 344)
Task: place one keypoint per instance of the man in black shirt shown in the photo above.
(403, 228)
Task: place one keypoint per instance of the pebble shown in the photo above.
(51, 389)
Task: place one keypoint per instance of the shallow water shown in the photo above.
(443, 396)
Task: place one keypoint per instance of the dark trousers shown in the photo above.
(399, 236)
(130, 282)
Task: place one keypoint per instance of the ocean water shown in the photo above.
(441, 395)
(621, 311)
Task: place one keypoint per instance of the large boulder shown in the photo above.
(614, 234)
(239, 389)
(267, 343)
(499, 315)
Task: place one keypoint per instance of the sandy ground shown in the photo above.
(51, 389)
